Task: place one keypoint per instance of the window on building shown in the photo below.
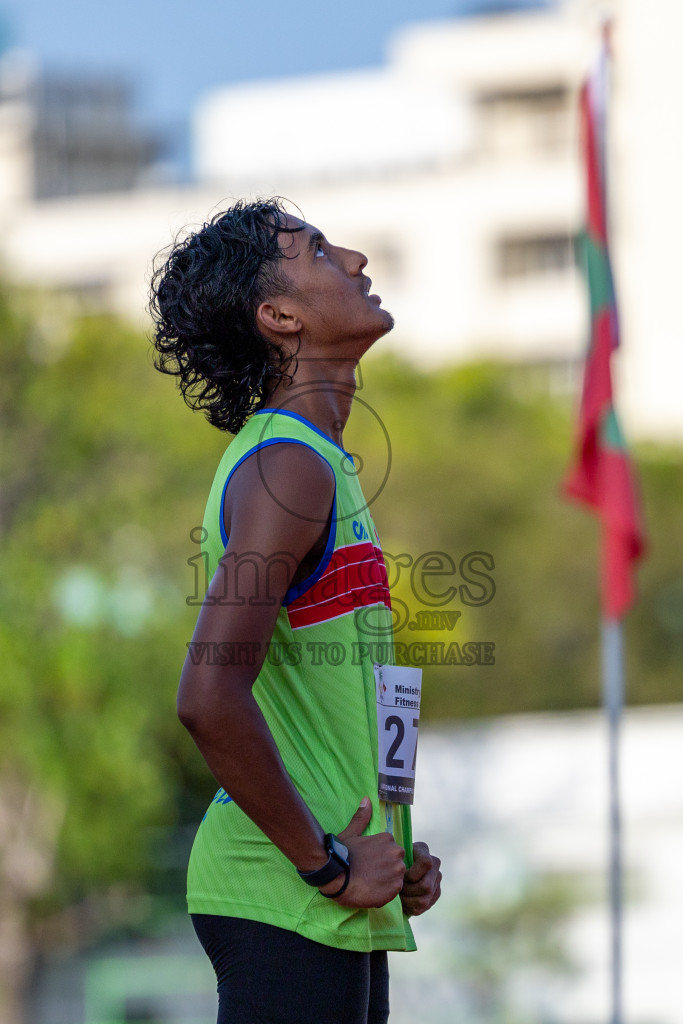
(536, 119)
(534, 255)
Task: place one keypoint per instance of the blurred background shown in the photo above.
(441, 138)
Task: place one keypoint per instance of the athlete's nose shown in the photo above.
(357, 261)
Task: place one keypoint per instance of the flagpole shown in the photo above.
(612, 657)
(613, 700)
(601, 476)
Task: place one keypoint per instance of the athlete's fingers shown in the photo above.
(425, 886)
(422, 882)
(360, 820)
(417, 902)
(423, 861)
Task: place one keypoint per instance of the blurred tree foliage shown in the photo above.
(105, 473)
(496, 942)
(103, 478)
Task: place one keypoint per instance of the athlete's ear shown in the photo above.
(278, 318)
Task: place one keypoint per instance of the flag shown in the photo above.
(602, 475)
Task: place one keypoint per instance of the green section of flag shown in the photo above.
(598, 270)
(611, 435)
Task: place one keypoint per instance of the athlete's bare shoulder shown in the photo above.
(283, 491)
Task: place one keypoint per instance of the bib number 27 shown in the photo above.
(399, 745)
(398, 720)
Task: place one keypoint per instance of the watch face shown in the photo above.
(338, 850)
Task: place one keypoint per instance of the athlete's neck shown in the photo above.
(321, 391)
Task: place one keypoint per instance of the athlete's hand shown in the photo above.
(377, 867)
(422, 882)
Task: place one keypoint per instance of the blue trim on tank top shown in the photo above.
(300, 588)
(306, 423)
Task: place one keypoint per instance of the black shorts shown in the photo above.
(269, 975)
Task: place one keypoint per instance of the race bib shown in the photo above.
(398, 720)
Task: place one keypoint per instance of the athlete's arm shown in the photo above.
(277, 512)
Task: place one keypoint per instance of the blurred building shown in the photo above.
(454, 167)
(67, 136)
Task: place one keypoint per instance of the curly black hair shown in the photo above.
(203, 301)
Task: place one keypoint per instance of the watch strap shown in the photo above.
(338, 862)
(333, 895)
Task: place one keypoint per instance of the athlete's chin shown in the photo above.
(385, 324)
(388, 322)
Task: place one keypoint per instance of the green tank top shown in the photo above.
(317, 693)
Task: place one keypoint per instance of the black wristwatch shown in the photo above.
(338, 862)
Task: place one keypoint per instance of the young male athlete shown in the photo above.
(300, 877)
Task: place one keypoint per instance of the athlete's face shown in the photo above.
(329, 293)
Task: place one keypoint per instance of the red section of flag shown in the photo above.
(623, 537)
(595, 192)
(602, 476)
(584, 480)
